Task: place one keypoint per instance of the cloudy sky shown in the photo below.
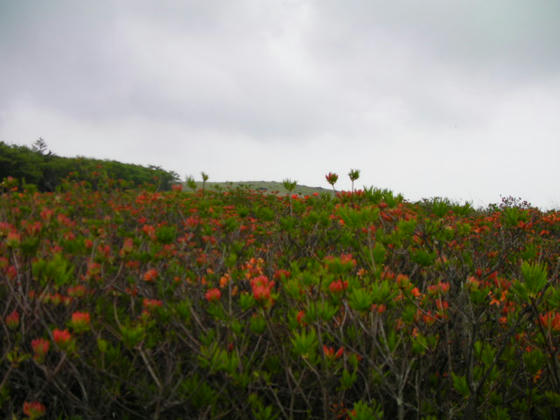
(459, 99)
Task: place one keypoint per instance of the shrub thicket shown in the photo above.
(236, 304)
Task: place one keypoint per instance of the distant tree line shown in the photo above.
(37, 167)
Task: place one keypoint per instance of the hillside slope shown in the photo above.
(273, 187)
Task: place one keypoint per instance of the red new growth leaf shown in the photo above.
(12, 320)
(262, 287)
(213, 295)
(150, 275)
(329, 351)
(40, 348)
(339, 353)
(62, 337)
(331, 178)
(338, 286)
(151, 304)
(299, 317)
(34, 409)
(80, 321)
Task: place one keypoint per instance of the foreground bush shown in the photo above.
(135, 304)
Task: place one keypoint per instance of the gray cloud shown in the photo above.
(456, 93)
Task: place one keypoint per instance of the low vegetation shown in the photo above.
(137, 303)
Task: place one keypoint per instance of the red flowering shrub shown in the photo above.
(237, 304)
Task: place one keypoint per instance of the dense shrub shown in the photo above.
(237, 304)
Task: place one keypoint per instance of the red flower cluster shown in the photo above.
(330, 353)
(379, 308)
(261, 287)
(34, 409)
(150, 275)
(40, 348)
(331, 178)
(213, 295)
(80, 320)
(150, 231)
(12, 320)
(13, 239)
(77, 291)
(348, 259)
(62, 337)
(338, 286)
(442, 287)
(128, 246)
(550, 320)
(151, 304)
(282, 274)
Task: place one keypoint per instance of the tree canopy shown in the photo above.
(46, 171)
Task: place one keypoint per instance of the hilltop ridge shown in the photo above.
(265, 186)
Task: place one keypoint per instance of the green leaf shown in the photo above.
(419, 344)
(423, 257)
(246, 301)
(406, 227)
(360, 299)
(553, 398)
(216, 310)
(327, 311)
(460, 384)
(197, 392)
(257, 324)
(367, 411)
(236, 327)
(166, 234)
(131, 336)
(183, 308)
(530, 252)
(320, 311)
(259, 410)
(519, 291)
(292, 288)
(102, 345)
(304, 343)
(408, 313)
(379, 253)
(381, 293)
(392, 340)
(57, 270)
(29, 245)
(487, 355)
(347, 380)
(554, 298)
(498, 413)
(535, 277)
(534, 360)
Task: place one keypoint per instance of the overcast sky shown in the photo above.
(459, 99)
